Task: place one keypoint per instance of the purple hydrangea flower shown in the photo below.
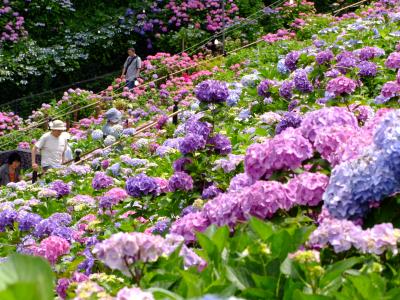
(7, 219)
(346, 61)
(301, 82)
(240, 181)
(194, 126)
(324, 57)
(368, 53)
(191, 143)
(210, 192)
(367, 69)
(179, 164)
(27, 221)
(291, 60)
(221, 144)
(101, 181)
(263, 88)
(285, 91)
(290, 119)
(141, 185)
(390, 89)
(181, 181)
(212, 91)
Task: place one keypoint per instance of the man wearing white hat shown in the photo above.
(52, 146)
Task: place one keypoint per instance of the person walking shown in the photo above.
(52, 146)
(131, 69)
(9, 172)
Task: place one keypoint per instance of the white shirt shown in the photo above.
(51, 149)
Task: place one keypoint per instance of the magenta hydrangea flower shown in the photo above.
(341, 86)
(307, 188)
(263, 199)
(255, 160)
(326, 117)
(52, 248)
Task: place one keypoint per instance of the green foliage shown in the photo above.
(26, 277)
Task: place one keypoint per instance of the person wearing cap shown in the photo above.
(131, 69)
(113, 117)
(52, 146)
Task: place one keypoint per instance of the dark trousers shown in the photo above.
(130, 84)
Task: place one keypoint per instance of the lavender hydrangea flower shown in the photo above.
(7, 219)
(221, 144)
(393, 60)
(341, 86)
(141, 185)
(61, 188)
(27, 221)
(390, 89)
(282, 67)
(101, 181)
(301, 82)
(326, 117)
(97, 135)
(189, 225)
(240, 181)
(181, 181)
(212, 91)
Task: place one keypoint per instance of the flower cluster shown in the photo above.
(355, 185)
(342, 235)
(212, 91)
(52, 248)
(341, 86)
(141, 185)
(285, 151)
(101, 181)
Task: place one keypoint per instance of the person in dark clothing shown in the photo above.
(9, 172)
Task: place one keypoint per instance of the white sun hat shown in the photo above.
(58, 125)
